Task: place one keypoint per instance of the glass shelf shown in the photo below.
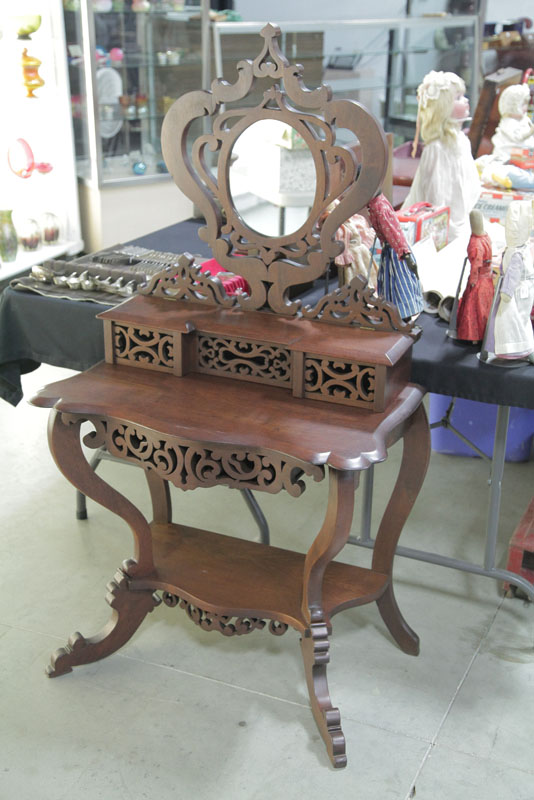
(114, 56)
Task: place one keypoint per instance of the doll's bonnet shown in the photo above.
(513, 99)
(518, 223)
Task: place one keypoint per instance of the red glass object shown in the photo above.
(22, 162)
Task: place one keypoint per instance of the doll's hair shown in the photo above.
(436, 96)
(513, 99)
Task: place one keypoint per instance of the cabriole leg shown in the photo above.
(65, 446)
(415, 457)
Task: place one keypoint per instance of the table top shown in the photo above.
(36, 329)
(220, 411)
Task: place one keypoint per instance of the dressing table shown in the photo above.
(252, 392)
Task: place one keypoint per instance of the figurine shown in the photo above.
(355, 259)
(397, 280)
(30, 72)
(475, 306)
(512, 326)
(515, 131)
(447, 174)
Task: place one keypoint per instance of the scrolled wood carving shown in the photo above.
(356, 303)
(345, 380)
(185, 281)
(143, 346)
(189, 464)
(253, 360)
(272, 265)
(210, 621)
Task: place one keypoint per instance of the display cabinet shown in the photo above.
(128, 60)
(39, 216)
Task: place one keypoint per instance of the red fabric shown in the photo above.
(232, 285)
(475, 305)
(387, 226)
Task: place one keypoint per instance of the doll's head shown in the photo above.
(442, 104)
(518, 223)
(514, 101)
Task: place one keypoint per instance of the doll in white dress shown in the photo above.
(447, 175)
(512, 328)
(515, 131)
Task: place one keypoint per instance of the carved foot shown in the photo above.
(129, 610)
(405, 637)
(315, 654)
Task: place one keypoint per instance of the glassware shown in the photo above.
(29, 234)
(30, 71)
(8, 237)
(49, 228)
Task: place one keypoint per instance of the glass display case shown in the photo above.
(39, 215)
(379, 62)
(128, 61)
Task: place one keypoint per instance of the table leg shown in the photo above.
(495, 483)
(161, 497)
(315, 641)
(65, 446)
(415, 458)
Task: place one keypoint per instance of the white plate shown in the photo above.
(109, 89)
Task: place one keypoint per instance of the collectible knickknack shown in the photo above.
(446, 175)
(257, 391)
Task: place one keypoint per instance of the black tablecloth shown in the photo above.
(35, 329)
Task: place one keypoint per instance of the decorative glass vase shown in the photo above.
(49, 228)
(29, 234)
(8, 237)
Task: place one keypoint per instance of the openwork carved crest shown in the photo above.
(273, 265)
(264, 362)
(209, 621)
(185, 281)
(189, 464)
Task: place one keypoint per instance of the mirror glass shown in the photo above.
(272, 178)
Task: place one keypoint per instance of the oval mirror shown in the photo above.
(272, 178)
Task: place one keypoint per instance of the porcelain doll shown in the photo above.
(397, 279)
(355, 258)
(515, 131)
(447, 174)
(475, 305)
(512, 326)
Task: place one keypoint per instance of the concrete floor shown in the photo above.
(179, 713)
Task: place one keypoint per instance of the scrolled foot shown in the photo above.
(129, 610)
(315, 653)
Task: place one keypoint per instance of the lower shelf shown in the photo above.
(236, 577)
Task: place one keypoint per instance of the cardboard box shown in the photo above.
(493, 203)
(422, 220)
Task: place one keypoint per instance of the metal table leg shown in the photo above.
(495, 488)
(103, 455)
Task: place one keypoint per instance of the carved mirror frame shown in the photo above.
(273, 265)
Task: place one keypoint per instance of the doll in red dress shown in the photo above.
(475, 305)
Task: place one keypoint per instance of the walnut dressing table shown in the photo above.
(254, 392)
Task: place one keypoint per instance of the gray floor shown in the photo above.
(180, 713)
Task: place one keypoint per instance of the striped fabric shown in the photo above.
(398, 284)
